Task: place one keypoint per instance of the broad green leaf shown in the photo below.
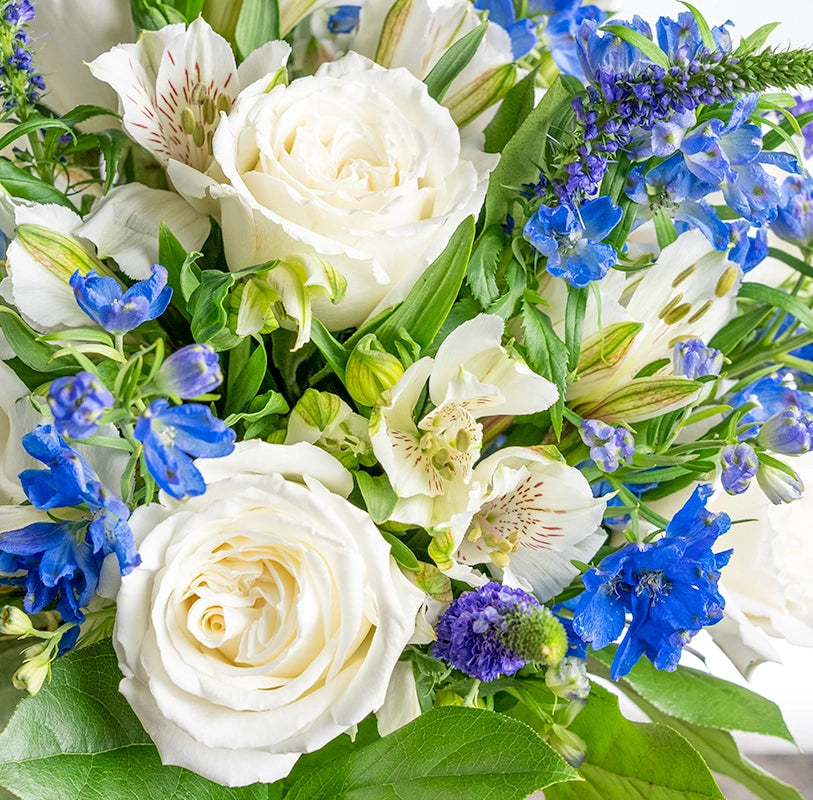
(513, 110)
(378, 494)
(79, 739)
(633, 759)
(701, 699)
(734, 331)
(481, 275)
(639, 41)
(172, 256)
(24, 342)
(153, 14)
(401, 553)
(529, 148)
(453, 62)
(207, 307)
(244, 386)
(20, 183)
(429, 301)
(257, 24)
(10, 660)
(546, 355)
(449, 753)
(778, 299)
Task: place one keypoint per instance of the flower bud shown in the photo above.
(692, 359)
(779, 485)
(571, 748)
(605, 351)
(490, 87)
(609, 446)
(568, 679)
(60, 254)
(191, 371)
(78, 403)
(789, 432)
(14, 622)
(391, 33)
(34, 670)
(739, 462)
(643, 398)
(371, 370)
(251, 307)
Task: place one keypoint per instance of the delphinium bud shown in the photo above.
(191, 371)
(609, 446)
(740, 464)
(78, 403)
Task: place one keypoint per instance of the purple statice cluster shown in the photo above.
(609, 446)
(496, 630)
(20, 83)
(668, 588)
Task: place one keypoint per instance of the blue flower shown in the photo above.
(78, 403)
(780, 483)
(693, 359)
(747, 251)
(19, 13)
(771, 394)
(522, 33)
(681, 38)
(171, 435)
(559, 35)
(602, 50)
(794, 218)
(740, 464)
(344, 19)
(191, 371)
(496, 630)
(103, 300)
(571, 239)
(789, 432)
(609, 446)
(669, 588)
(70, 481)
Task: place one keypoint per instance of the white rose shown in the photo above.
(266, 617)
(356, 165)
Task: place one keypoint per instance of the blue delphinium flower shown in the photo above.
(559, 35)
(70, 481)
(672, 187)
(78, 403)
(681, 38)
(191, 371)
(522, 33)
(344, 19)
(747, 251)
(669, 587)
(496, 630)
(609, 446)
(794, 218)
(693, 359)
(802, 107)
(571, 239)
(171, 434)
(771, 394)
(118, 311)
(740, 464)
(789, 432)
(599, 50)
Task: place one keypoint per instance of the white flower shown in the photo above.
(223, 14)
(266, 618)
(355, 165)
(537, 515)
(123, 226)
(430, 463)
(767, 581)
(17, 417)
(69, 32)
(174, 83)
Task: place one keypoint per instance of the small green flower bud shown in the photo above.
(441, 548)
(490, 87)
(14, 622)
(371, 370)
(34, 670)
(60, 254)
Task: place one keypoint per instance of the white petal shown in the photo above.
(401, 703)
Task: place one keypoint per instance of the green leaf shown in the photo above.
(401, 553)
(792, 261)
(633, 759)
(24, 341)
(207, 307)
(20, 183)
(778, 299)
(734, 331)
(481, 274)
(32, 126)
(173, 256)
(111, 145)
(756, 39)
(513, 110)
(574, 324)
(453, 62)
(546, 355)
(703, 26)
(449, 753)
(152, 14)
(244, 386)
(639, 41)
(701, 699)
(429, 301)
(78, 738)
(257, 24)
(333, 351)
(379, 496)
(530, 147)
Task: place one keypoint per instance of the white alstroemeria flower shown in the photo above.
(415, 35)
(430, 463)
(537, 515)
(17, 417)
(175, 82)
(690, 292)
(123, 226)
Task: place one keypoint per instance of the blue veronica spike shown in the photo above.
(118, 311)
(172, 436)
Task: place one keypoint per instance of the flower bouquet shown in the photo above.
(383, 384)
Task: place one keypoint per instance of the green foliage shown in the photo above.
(450, 753)
(257, 24)
(25, 343)
(633, 759)
(78, 738)
(154, 14)
(453, 62)
(513, 110)
(379, 496)
(22, 184)
(247, 368)
(574, 324)
(639, 41)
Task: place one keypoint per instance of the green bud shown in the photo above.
(643, 398)
(61, 255)
(470, 101)
(568, 679)
(371, 370)
(392, 32)
(251, 307)
(433, 582)
(14, 622)
(604, 352)
(536, 636)
(34, 670)
(441, 548)
(446, 697)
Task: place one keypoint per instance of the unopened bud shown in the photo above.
(392, 31)
(14, 622)
(441, 548)
(489, 88)
(780, 485)
(371, 370)
(568, 679)
(34, 670)
(61, 255)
